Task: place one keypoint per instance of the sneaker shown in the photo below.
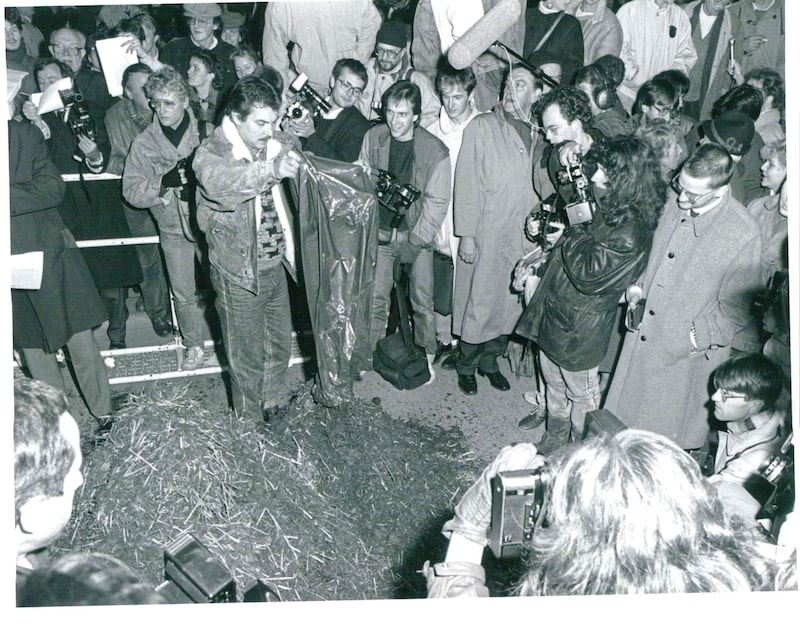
(193, 358)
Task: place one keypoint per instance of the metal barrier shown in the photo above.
(157, 362)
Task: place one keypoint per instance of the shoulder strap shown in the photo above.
(549, 32)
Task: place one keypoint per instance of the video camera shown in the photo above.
(518, 497)
(395, 196)
(79, 123)
(308, 100)
(193, 575)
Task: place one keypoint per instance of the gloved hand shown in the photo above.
(408, 253)
(449, 580)
(174, 177)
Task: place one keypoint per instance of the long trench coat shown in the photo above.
(702, 271)
(492, 196)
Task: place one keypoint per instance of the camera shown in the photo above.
(79, 121)
(193, 575)
(549, 221)
(308, 100)
(394, 196)
(517, 501)
(582, 210)
(518, 497)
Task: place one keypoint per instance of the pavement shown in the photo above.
(488, 420)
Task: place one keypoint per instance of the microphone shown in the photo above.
(483, 33)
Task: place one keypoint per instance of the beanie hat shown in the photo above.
(232, 19)
(732, 130)
(393, 33)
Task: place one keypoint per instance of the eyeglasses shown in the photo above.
(663, 111)
(726, 395)
(392, 54)
(58, 50)
(693, 198)
(165, 105)
(198, 21)
(348, 88)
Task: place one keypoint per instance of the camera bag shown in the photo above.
(396, 358)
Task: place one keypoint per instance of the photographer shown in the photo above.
(414, 156)
(338, 132)
(78, 143)
(622, 514)
(573, 310)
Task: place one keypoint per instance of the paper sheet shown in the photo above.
(26, 270)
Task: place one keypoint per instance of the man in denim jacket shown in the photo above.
(248, 234)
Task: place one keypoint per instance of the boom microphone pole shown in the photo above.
(533, 69)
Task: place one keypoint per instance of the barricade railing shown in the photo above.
(163, 361)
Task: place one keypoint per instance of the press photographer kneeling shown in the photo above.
(622, 513)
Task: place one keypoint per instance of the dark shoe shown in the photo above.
(269, 413)
(537, 416)
(162, 327)
(552, 440)
(104, 425)
(441, 350)
(139, 304)
(468, 384)
(452, 360)
(116, 345)
(497, 380)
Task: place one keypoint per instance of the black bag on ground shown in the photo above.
(396, 358)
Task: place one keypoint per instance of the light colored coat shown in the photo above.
(493, 194)
(701, 271)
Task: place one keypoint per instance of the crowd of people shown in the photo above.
(614, 199)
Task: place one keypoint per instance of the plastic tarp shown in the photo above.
(338, 239)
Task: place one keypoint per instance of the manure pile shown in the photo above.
(325, 503)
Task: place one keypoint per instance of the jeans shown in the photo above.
(154, 283)
(257, 334)
(179, 256)
(420, 293)
(570, 394)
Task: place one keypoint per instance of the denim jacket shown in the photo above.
(228, 183)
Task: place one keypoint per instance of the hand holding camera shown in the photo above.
(309, 103)
(89, 148)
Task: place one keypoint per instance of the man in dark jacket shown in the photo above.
(573, 310)
(66, 307)
(338, 132)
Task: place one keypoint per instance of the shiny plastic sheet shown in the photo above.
(337, 215)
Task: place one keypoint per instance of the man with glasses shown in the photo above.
(391, 64)
(695, 299)
(338, 132)
(157, 176)
(204, 22)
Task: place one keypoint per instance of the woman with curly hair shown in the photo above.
(572, 313)
(633, 514)
(206, 76)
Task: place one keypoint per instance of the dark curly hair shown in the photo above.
(745, 99)
(572, 103)
(771, 85)
(636, 189)
(213, 64)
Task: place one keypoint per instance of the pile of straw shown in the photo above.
(342, 503)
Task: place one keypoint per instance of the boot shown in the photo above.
(556, 436)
